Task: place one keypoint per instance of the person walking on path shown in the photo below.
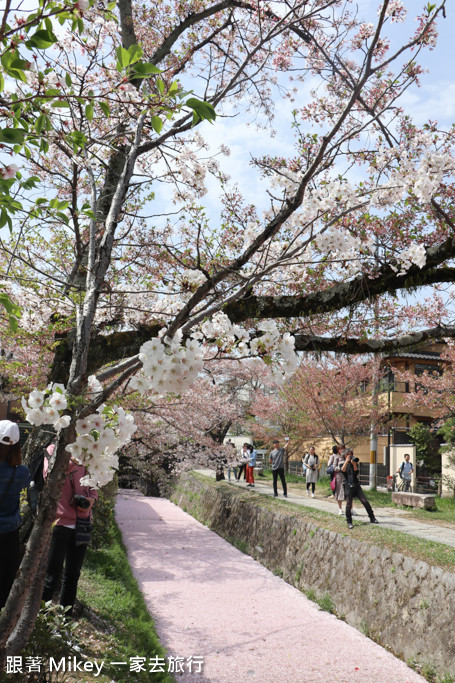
(311, 462)
(331, 462)
(251, 465)
(350, 470)
(243, 461)
(339, 493)
(75, 502)
(405, 471)
(232, 464)
(277, 460)
(13, 478)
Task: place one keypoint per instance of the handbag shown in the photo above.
(333, 484)
(83, 524)
(83, 531)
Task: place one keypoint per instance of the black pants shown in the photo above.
(279, 472)
(63, 550)
(312, 484)
(242, 468)
(9, 563)
(356, 493)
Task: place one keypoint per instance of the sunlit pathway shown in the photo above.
(210, 600)
(390, 518)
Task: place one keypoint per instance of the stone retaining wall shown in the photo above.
(405, 605)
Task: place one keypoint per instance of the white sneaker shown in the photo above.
(307, 492)
(312, 495)
(340, 511)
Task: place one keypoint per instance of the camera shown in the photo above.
(81, 501)
(355, 459)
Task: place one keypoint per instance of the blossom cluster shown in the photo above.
(171, 366)
(278, 348)
(192, 278)
(273, 342)
(338, 241)
(414, 255)
(395, 10)
(422, 178)
(168, 365)
(45, 407)
(99, 438)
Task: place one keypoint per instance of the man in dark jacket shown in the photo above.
(352, 488)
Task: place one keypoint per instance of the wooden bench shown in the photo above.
(415, 500)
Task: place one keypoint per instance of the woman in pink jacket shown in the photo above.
(76, 501)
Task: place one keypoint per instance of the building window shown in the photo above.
(420, 368)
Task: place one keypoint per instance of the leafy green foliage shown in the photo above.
(201, 110)
(13, 311)
(427, 446)
(103, 515)
(56, 635)
(447, 431)
(110, 592)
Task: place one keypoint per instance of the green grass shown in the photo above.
(112, 601)
(444, 511)
(290, 478)
(435, 554)
(326, 603)
(114, 624)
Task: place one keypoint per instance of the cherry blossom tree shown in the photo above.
(326, 397)
(183, 432)
(141, 286)
(433, 390)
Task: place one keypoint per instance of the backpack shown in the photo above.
(36, 467)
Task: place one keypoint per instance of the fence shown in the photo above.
(423, 484)
(381, 474)
(296, 467)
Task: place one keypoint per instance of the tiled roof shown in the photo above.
(421, 356)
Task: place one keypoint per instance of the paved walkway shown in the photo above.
(210, 600)
(391, 518)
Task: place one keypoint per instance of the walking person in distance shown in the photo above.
(277, 460)
(251, 465)
(311, 462)
(405, 471)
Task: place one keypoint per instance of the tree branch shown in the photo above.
(351, 293)
(353, 345)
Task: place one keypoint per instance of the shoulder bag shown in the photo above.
(83, 524)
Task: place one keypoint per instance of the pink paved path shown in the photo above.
(210, 599)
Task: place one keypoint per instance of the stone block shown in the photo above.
(415, 500)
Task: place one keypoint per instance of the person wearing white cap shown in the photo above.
(13, 478)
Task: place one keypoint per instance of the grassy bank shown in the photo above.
(435, 554)
(114, 626)
(113, 604)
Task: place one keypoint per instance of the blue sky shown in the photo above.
(434, 100)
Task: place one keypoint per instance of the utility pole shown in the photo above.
(374, 431)
(374, 397)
